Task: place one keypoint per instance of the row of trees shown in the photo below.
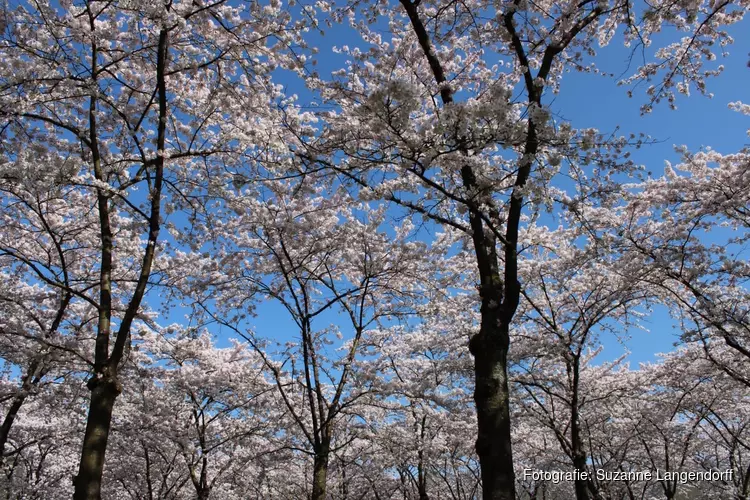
(413, 229)
(198, 421)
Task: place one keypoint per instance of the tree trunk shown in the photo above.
(490, 350)
(10, 417)
(32, 378)
(578, 453)
(204, 494)
(421, 472)
(88, 482)
(581, 485)
(103, 384)
(320, 474)
(500, 295)
(422, 481)
(200, 482)
(202, 487)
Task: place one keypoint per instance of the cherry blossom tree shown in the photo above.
(46, 250)
(701, 429)
(45, 437)
(691, 226)
(128, 96)
(420, 375)
(576, 291)
(201, 414)
(428, 118)
(315, 252)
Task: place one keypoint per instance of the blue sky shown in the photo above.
(590, 100)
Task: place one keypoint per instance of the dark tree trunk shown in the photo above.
(578, 453)
(421, 472)
(500, 295)
(200, 482)
(88, 482)
(320, 473)
(10, 417)
(32, 378)
(490, 349)
(423, 492)
(581, 485)
(204, 493)
(422, 481)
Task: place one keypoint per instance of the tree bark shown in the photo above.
(493, 445)
(203, 490)
(423, 491)
(31, 379)
(320, 473)
(10, 417)
(88, 482)
(200, 482)
(578, 453)
(421, 472)
(581, 485)
(103, 384)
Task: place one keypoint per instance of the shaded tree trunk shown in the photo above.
(581, 485)
(421, 469)
(10, 417)
(578, 453)
(320, 471)
(422, 487)
(202, 488)
(493, 445)
(88, 482)
(422, 480)
(31, 379)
